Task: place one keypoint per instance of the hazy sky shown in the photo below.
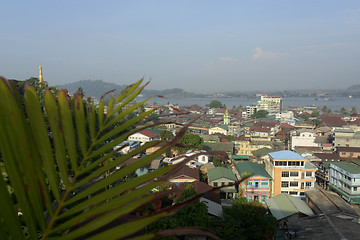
(195, 45)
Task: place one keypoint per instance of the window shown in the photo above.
(302, 194)
(256, 184)
(249, 185)
(223, 184)
(286, 192)
(215, 184)
(355, 189)
(308, 184)
(294, 174)
(284, 184)
(285, 174)
(308, 174)
(249, 198)
(294, 184)
(264, 184)
(293, 193)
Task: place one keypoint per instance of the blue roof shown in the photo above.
(286, 155)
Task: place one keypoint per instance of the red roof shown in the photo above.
(332, 120)
(286, 125)
(259, 129)
(224, 140)
(148, 133)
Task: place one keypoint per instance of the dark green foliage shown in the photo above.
(215, 104)
(166, 135)
(230, 137)
(245, 220)
(314, 113)
(317, 122)
(192, 215)
(189, 139)
(217, 163)
(260, 114)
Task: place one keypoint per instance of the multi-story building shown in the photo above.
(344, 178)
(291, 173)
(221, 176)
(346, 137)
(303, 138)
(250, 110)
(258, 185)
(272, 103)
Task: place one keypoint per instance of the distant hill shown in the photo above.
(97, 88)
(355, 88)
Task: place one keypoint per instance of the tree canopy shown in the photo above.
(260, 114)
(215, 104)
(245, 220)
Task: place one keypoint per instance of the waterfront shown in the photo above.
(334, 104)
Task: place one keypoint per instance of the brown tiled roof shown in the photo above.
(186, 171)
(332, 120)
(348, 149)
(201, 187)
(286, 126)
(327, 156)
(259, 129)
(148, 133)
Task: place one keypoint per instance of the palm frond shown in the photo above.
(57, 157)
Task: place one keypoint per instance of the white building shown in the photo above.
(144, 136)
(344, 178)
(303, 138)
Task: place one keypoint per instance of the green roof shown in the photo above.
(224, 126)
(220, 172)
(240, 157)
(251, 167)
(284, 205)
(349, 167)
(262, 152)
(221, 146)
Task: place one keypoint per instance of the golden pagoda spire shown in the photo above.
(40, 74)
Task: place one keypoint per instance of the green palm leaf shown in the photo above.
(58, 156)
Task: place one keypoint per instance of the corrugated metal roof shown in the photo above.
(349, 167)
(284, 205)
(286, 155)
(251, 167)
(220, 172)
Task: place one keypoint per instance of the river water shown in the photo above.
(334, 104)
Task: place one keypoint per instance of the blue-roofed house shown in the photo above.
(291, 173)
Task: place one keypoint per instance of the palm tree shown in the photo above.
(56, 158)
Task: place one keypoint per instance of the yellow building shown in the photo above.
(246, 147)
(291, 173)
(272, 103)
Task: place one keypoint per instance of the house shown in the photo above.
(303, 138)
(223, 129)
(288, 208)
(144, 136)
(227, 147)
(291, 173)
(211, 199)
(185, 175)
(259, 132)
(345, 137)
(221, 176)
(127, 146)
(344, 178)
(257, 187)
(348, 152)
